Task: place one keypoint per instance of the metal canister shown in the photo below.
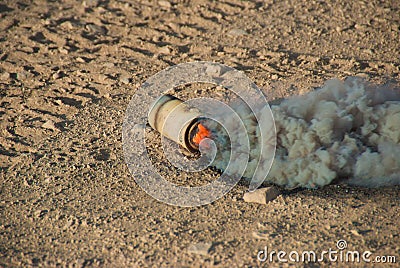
(175, 120)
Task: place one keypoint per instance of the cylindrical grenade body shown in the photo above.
(175, 120)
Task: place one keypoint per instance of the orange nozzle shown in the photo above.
(202, 133)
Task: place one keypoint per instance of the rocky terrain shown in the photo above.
(68, 70)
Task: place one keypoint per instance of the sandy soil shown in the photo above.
(67, 72)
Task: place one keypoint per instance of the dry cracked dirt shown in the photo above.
(68, 70)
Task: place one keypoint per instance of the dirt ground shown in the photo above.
(68, 70)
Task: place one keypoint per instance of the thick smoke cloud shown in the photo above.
(347, 130)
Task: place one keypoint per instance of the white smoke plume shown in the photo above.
(347, 130)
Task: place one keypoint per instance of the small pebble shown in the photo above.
(5, 76)
(260, 235)
(339, 29)
(200, 248)
(262, 195)
(63, 50)
(164, 50)
(164, 4)
(213, 70)
(24, 75)
(67, 25)
(27, 50)
(125, 79)
(57, 75)
(363, 75)
(96, 29)
(80, 59)
(49, 124)
(109, 65)
(237, 32)
(355, 232)
(90, 3)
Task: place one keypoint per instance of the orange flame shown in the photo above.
(202, 133)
